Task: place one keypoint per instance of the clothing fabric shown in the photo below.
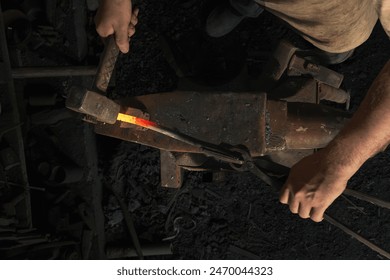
(332, 25)
(247, 8)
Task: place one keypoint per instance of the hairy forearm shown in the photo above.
(368, 131)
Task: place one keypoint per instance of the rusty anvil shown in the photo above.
(284, 122)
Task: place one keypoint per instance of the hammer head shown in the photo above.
(93, 104)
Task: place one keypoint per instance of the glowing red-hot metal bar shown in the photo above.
(207, 150)
(136, 121)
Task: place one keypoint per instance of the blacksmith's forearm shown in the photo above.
(368, 132)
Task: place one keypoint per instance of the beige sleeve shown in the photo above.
(333, 25)
(383, 7)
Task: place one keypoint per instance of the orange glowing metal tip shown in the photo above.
(134, 120)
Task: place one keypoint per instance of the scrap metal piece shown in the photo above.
(57, 71)
(115, 252)
(303, 89)
(277, 64)
(129, 223)
(17, 26)
(326, 92)
(12, 209)
(67, 174)
(299, 66)
(93, 104)
(8, 158)
(280, 60)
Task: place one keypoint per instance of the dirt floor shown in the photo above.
(239, 218)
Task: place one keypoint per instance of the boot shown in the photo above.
(224, 18)
(325, 58)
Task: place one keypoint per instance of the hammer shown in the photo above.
(93, 102)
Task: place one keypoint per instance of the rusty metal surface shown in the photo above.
(188, 160)
(216, 118)
(93, 104)
(280, 60)
(299, 66)
(303, 89)
(296, 89)
(326, 92)
(171, 174)
(276, 118)
(311, 126)
(200, 162)
(298, 125)
(288, 157)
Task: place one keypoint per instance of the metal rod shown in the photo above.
(13, 108)
(23, 186)
(129, 223)
(206, 148)
(367, 198)
(358, 237)
(47, 72)
(148, 250)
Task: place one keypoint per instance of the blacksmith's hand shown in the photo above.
(116, 17)
(313, 184)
